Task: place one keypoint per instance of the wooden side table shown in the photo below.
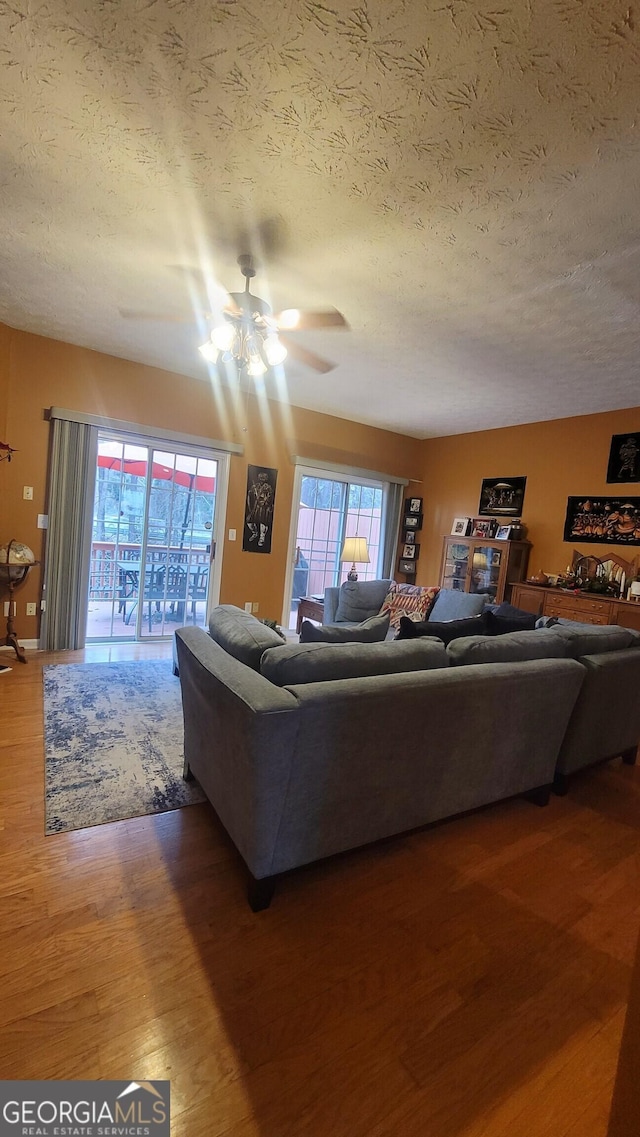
(309, 609)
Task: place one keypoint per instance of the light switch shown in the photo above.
(232, 535)
(43, 521)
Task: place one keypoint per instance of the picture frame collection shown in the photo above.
(412, 524)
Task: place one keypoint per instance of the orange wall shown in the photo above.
(37, 373)
(559, 458)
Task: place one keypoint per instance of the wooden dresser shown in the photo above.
(587, 607)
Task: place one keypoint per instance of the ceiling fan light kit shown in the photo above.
(248, 336)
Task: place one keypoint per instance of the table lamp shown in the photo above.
(354, 550)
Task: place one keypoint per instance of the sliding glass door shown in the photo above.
(153, 544)
(327, 510)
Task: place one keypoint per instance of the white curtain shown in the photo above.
(72, 473)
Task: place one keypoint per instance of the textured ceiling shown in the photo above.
(461, 180)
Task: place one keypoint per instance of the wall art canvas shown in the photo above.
(258, 516)
(502, 497)
(624, 458)
(603, 520)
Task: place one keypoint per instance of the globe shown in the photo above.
(15, 553)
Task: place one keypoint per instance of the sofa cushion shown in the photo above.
(319, 662)
(498, 624)
(411, 600)
(241, 635)
(359, 599)
(446, 631)
(591, 639)
(452, 604)
(513, 647)
(370, 631)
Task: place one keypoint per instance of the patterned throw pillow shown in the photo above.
(412, 600)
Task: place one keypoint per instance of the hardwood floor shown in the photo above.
(467, 981)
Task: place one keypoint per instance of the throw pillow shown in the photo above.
(322, 662)
(411, 600)
(446, 631)
(241, 634)
(373, 630)
(499, 625)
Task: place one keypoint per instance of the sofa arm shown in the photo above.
(331, 597)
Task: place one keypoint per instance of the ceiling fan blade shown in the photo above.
(164, 317)
(303, 355)
(293, 319)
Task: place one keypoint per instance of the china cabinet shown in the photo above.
(476, 564)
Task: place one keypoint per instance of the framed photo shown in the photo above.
(410, 552)
(406, 566)
(413, 521)
(624, 458)
(483, 527)
(503, 532)
(410, 537)
(502, 497)
(413, 505)
(460, 527)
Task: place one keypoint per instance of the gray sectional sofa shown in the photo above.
(309, 750)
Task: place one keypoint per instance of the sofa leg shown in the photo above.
(186, 772)
(561, 784)
(629, 756)
(260, 892)
(539, 796)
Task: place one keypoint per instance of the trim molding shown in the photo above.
(152, 432)
(352, 471)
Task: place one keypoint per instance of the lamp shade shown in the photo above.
(355, 550)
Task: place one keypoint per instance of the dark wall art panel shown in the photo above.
(502, 497)
(603, 520)
(624, 458)
(258, 517)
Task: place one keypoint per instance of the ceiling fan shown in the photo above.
(250, 335)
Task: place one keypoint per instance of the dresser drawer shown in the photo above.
(577, 608)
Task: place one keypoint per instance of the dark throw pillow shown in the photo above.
(373, 630)
(499, 625)
(445, 630)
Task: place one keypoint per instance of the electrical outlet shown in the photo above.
(6, 607)
(27, 493)
(255, 607)
(31, 609)
(247, 607)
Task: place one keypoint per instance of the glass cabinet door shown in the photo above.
(486, 563)
(455, 567)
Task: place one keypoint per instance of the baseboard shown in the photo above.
(28, 645)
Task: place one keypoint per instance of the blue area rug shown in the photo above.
(113, 743)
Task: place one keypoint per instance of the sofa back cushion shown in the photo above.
(319, 662)
(451, 604)
(411, 600)
(446, 631)
(359, 599)
(241, 635)
(513, 647)
(370, 631)
(592, 639)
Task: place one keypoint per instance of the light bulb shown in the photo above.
(222, 336)
(274, 350)
(210, 351)
(289, 318)
(255, 367)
